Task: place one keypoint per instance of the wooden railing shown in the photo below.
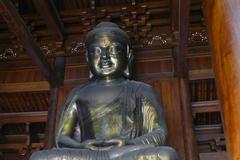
(205, 106)
(23, 117)
(22, 143)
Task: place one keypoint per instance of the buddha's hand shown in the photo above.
(101, 145)
(96, 145)
(118, 142)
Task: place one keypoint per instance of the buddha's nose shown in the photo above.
(105, 54)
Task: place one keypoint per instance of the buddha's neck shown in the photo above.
(110, 81)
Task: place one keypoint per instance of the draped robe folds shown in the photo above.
(129, 110)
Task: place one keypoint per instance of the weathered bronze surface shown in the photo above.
(110, 117)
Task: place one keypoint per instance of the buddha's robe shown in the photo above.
(128, 110)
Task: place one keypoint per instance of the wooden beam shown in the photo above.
(209, 132)
(51, 16)
(217, 128)
(19, 146)
(201, 74)
(223, 21)
(15, 138)
(19, 28)
(183, 39)
(214, 156)
(24, 87)
(114, 9)
(22, 117)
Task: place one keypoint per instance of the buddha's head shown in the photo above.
(108, 51)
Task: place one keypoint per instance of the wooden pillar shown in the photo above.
(51, 120)
(223, 17)
(54, 102)
(181, 71)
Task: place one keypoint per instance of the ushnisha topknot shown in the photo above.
(107, 28)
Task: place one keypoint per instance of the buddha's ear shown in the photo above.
(86, 58)
(128, 70)
(90, 74)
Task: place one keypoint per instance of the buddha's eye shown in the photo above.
(97, 50)
(113, 49)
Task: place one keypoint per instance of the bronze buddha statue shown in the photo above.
(110, 117)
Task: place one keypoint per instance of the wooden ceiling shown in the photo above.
(148, 23)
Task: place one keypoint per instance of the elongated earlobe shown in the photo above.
(89, 72)
(86, 56)
(128, 71)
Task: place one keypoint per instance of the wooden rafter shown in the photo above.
(51, 16)
(19, 28)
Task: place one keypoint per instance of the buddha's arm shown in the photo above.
(67, 127)
(154, 128)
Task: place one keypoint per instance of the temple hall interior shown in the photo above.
(188, 50)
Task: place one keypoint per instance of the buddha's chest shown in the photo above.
(101, 95)
(109, 111)
(113, 124)
(109, 119)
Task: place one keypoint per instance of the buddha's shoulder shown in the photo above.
(89, 87)
(78, 89)
(139, 84)
(145, 90)
(140, 87)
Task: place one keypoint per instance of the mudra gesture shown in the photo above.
(110, 117)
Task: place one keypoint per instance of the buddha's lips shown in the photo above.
(106, 65)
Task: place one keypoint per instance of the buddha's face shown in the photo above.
(107, 56)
